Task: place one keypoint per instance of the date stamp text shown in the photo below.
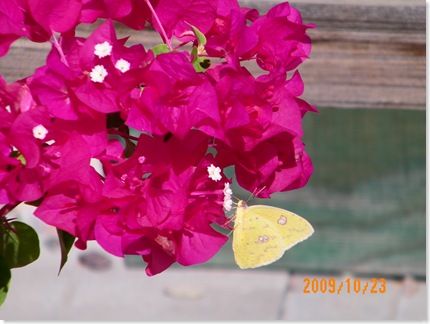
(348, 285)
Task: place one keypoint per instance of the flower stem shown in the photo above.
(59, 49)
(3, 212)
(6, 209)
(162, 31)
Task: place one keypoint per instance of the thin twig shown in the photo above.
(163, 32)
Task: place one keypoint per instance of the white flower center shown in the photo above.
(103, 49)
(39, 132)
(98, 73)
(214, 172)
(227, 190)
(122, 65)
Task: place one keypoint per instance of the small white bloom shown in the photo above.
(227, 190)
(228, 202)
(214, 172)
(8, 109)
(141, 159)
(103, 49)
(40, 132)
(98, 73)
(122, 65)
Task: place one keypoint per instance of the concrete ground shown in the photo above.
(96, 286)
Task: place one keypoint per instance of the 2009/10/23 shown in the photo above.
(356, 285)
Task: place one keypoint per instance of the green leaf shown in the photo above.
(66, 242)
(21, 246)
(5, 276)
(22, 159)
(194, 53)
(19, 156)
(160, 49)
(201, 38)
(201, 64)
(204, 63)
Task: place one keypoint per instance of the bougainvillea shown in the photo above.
(163, 123)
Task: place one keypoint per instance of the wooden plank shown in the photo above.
(353, 14)
(366, 54)
(365, 75)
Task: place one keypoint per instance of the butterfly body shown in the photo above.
(262, 234)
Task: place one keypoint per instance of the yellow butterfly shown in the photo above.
(262, 234)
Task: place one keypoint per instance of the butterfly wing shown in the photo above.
(256, 240)
(292, 227)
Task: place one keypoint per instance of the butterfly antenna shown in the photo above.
(255, 193)
(237, 199)
(230, 219)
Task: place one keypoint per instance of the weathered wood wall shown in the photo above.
(366, 54)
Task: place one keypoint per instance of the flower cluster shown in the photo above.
(162, 124)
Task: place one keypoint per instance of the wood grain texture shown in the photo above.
(366, 54)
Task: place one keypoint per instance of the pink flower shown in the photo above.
(40, 164)
(283, 95)
(176, 15)
(85, 80)
(244, 115)
(101, 90)
(71, 206)
(161, 126)
(132, 13)
(178, 202)
(175, 98)
(283, 42)
(277, 164)
(17, 21)
(230, 36)
(56, 15)
(12, 25)
(161, 209)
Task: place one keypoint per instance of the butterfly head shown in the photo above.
(241, 204)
